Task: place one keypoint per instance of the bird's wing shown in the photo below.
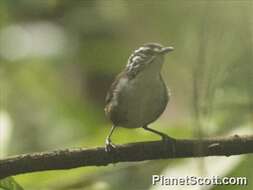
(112, 88)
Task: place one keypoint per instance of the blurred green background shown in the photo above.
(59, 57)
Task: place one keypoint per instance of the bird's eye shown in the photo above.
(156, 49)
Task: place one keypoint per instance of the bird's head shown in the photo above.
(150, 56)
(154, 49)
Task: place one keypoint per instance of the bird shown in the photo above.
(138, 95)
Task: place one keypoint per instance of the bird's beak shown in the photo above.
(165, 50)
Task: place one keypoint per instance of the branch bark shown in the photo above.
(140, 151)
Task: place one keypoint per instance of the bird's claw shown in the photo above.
(168, 140)
(109, 146)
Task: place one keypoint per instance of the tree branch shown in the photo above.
(73, 158)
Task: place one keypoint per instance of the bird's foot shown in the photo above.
(167, 138)
(169, 142)
(109, 146)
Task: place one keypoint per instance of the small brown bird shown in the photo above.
(138, 96)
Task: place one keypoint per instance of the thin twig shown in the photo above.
(73, 158)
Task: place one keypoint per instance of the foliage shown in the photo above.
(9, 184)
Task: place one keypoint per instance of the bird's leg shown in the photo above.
(165, 137)
(109, 146)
